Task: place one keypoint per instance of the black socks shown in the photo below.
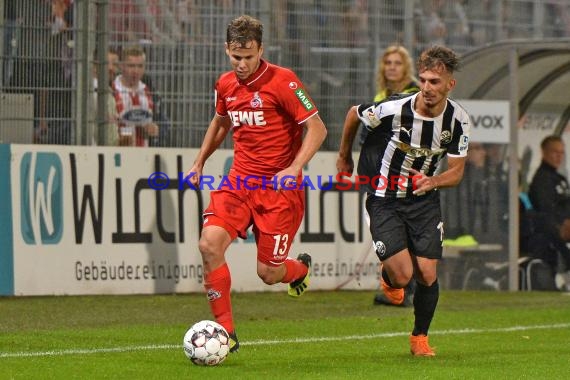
(425, 302)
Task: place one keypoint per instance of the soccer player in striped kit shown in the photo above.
(408, 138)
(267, 108)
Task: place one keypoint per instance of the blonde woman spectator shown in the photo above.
(395, 75)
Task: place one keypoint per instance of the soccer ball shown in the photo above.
(206, 343)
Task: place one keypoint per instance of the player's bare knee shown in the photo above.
(267, 277)
(400, 280)
(211, 252)
(205, 246)
(401, 277)
(426, 279)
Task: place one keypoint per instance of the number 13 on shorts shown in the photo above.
(281, 244)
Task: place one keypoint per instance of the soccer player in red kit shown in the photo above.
(266, 107)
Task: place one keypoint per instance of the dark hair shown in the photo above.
(115, 51)
(549, 139)
(110, 50)
(243, 30)
(437, 56)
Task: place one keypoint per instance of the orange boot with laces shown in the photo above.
(419, 346)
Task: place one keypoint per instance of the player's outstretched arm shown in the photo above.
(344, 161)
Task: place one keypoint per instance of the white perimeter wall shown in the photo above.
(84, 221)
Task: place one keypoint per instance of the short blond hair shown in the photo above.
(132, 51)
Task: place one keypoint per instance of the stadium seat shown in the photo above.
(537, 275)
(534, 274)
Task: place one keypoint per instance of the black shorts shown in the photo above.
(399, 223)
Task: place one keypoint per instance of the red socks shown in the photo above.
(218, 285)
(294, 270)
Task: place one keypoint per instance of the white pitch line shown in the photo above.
(284, 341)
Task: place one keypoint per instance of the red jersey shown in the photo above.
(266, 111)
(135, 109)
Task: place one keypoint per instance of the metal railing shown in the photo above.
(49, 49)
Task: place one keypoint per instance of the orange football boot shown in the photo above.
(419, 346)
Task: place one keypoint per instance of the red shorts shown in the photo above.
(275, 216)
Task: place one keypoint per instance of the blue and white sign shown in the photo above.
(41, 203)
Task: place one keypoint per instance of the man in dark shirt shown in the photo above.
(549, 194)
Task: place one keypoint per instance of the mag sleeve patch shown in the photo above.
(369, 115)
(463, 143)
(300, 93)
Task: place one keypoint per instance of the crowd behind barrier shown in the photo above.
(333, 45)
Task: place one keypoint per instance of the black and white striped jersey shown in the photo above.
(401, 139)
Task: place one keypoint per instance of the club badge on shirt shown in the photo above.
(445, 137)
(256, 102)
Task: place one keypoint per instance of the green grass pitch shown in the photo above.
(322, 335)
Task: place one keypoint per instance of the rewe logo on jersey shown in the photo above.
(41, 203)
(247, 117)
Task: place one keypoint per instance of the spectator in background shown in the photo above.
(549, 193)
(355, 22)
(477, 190)
(127, 22)
(395, 75)
(356, 29)
(549, 190)
(111, 117)
(557, 18)
(59, 11)
(56, 86)
(458, 27)
(113, 61)
(141, 120)
(498, 180)
(517, 19)
(473, 194)
(477, 209)
(480, 15)
(435, 31)
(189, 20)
(25, 67)
(11, 26)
